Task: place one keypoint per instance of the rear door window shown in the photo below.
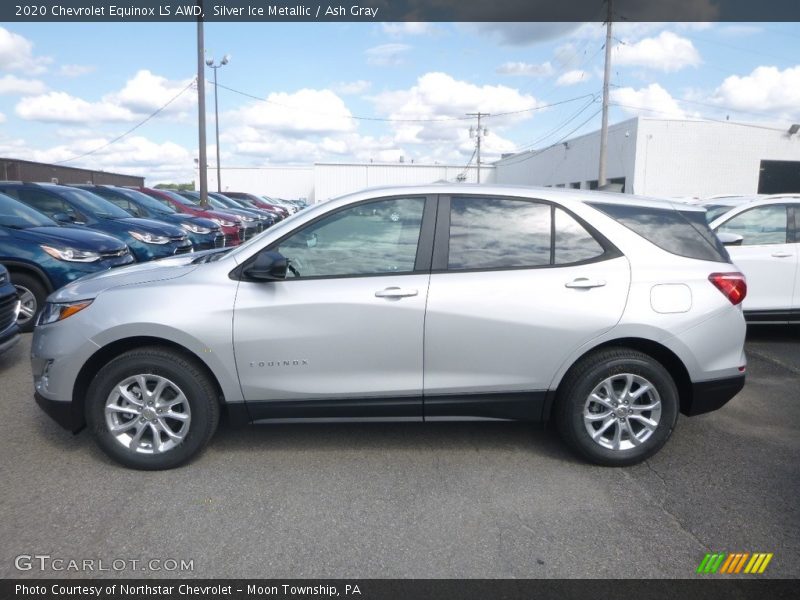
(498, 233)
(572, 242)
(516, 233)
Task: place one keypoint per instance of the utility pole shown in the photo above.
(601, 175)
(478, 134)
(202, 171)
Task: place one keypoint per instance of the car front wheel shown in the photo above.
(152, 409)
(617, 407)
(32, 295)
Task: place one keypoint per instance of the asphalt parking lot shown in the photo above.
(459, 500)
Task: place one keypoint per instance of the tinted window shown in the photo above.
(49, 204)
(681, 232)
(573, 243)
(373, 238)
(716, 210)
(93, 203)
(123, 203)
(498, 233)
(19, 216)
(762, 225)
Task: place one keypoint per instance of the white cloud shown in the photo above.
(135, 155)
(404, 28)
(351, 87)
(765, 89)
(652, 101)
(146, 92)
(75, 70)
(440, 97)
(60, 107)
(16, 54)
(387, 54)
(141, 95)
(299, 114)
(10, 84)
(525, 69)
(573, 77)
(665, 52)
(2, 118)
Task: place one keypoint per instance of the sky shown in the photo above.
(301, 93)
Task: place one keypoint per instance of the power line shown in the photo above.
(559, 127)
(461, 176)
(131, 130)
(530, 155)
(390, 120)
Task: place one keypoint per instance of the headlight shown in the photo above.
(248, 219)
(58, 311)
(223, 222)
(195, 228)
(71, 254)
(149, 238)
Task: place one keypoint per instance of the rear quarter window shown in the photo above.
(680, 232)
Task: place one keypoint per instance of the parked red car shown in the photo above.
(230, 224)
(258, 202)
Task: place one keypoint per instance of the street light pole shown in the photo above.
(222, 63)
(201, 116)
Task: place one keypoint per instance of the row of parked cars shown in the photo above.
(53, 234)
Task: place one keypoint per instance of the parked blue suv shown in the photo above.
(147, 239)
(204, 234)
(41, 256)
(9, 307)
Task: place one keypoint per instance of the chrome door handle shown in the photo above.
(582, 283)
(396, 292)
(782, 254)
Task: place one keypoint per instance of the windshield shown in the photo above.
(19, 216)
(225, 201)
(716, 210)
(92, 203)
(190, 199)
(145, 200)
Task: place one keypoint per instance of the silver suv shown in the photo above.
(607, 313)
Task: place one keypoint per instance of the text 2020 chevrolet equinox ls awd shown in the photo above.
(608, 313)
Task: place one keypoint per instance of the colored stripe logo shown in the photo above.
(735, 563)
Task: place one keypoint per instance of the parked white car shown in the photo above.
(762, 236)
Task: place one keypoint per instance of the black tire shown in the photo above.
(573, 401)
(180, 370)
(29, 283)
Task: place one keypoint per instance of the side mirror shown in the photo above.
(268, 266)
(730, 239)
(63, 218)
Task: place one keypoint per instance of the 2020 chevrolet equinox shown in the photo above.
(608, 313)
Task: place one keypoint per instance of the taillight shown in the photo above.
(733, 285)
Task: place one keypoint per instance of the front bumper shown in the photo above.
(712, 395)
(9, 341)
(63, 413)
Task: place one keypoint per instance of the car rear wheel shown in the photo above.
(32, 295)
(617, 407)
(152, 409)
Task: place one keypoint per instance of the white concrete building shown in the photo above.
(323, 181)
(667, 157)
(657, 157)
